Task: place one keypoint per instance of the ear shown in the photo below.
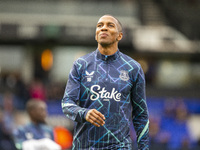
(120, 36)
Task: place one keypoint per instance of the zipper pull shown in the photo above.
(106, 57)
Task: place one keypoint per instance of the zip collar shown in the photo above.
(107, 57)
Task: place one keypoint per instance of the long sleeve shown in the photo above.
(140, 112)
(115, 86)
(72, 95)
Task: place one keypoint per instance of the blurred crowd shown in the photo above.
(22, 92)
(168, 128)
(14, 95)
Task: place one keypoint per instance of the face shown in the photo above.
(107, 31)
(39, 113)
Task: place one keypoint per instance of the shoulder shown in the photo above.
(130, 61)
(47, 128)
(83, 61)
(22, 129)
(88, 57)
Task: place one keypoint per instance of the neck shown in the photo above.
(38, 122)
(107, 50)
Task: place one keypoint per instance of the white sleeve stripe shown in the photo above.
(68, 104)
(143, 131)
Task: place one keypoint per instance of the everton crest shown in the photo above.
(124, 75)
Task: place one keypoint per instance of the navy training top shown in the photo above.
(115, 86)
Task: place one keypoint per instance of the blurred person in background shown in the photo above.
(158, 139)
(105, 92)
(32, 134)
(37, 90)
(21, 92)
(6, 140)
(14, 83)
(174, 123)
(7, 121)
(9, 112)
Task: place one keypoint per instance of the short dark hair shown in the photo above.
(32, 104)
(119, 23)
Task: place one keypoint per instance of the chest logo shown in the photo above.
(98, 92)
(124, 75)
(89, 76)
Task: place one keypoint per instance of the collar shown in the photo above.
(107, 57)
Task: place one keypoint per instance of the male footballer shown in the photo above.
(105, 93)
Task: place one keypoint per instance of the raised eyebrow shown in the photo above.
(99, 23)
(111, 23)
